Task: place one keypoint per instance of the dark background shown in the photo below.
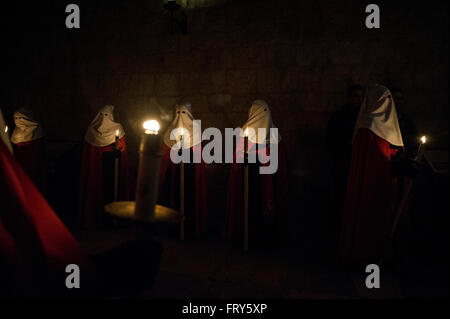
(300, 56)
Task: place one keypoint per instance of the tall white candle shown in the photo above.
(404, 198)
(150, 154)
(182, 189)
(421, 149)
(116, 166)
(246, 190)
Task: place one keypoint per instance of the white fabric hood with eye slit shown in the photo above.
(27, 127)
(183, 120)
(3, 133)
(259, 117)
(102, 130)
(378, 114)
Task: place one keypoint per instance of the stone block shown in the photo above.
(268, 80)
(219, 102)
(236, 119)
(430, 77)
(312, 54)
(212, 120)
(141, 84)
(289, 79)
(249, 57)
(218, 81)
(199, 103)
(336, 79)
(174, 61)
(347, 52)
(210, 41)
(89, 84)
(115, 85)
(241, 82)
(195, 83)
(241, 103)
(219, 60)
(282, 104)
(167, 84)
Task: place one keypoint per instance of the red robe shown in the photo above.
(91, 182)
(371, 200)
(35, 246)
(169, 189)
(31, 156)
(273, 190)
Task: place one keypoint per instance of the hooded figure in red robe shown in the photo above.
(195, 198)
(97, 167)
(267, 192)
(29, 148)
(372, 189)
(35, 246)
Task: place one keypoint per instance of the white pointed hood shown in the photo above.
(102, 130)
(3, 132)
(184, 122)
(259, 117)
(378, 114)
(27, 127)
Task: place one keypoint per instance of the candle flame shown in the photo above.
(6, 129)
(423, 139)
(151, 127)
(117, 133)
(246, 132)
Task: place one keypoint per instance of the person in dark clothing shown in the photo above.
(407, 126)
(339, 136)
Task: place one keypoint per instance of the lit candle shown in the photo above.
(6, 128)
(150, 154)
(182, 187)
(421, 149)
(116, 166)
(117, 139)
(151, 127)
(246, 141)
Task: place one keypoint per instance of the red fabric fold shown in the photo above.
(32, 237)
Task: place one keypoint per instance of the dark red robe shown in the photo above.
(31, 156)
(371, 200)
(196, 207)
(35, 246)
(270, 197)
(91, 182)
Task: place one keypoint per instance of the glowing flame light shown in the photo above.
(151, 127)
(182, 135)
(6, 129)
(423, 139)
(246, 132)
(117, 133)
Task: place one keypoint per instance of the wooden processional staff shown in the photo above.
(246, 192)
(116, 166)
(182, 192)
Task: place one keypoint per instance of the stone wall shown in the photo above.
(300, 56)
